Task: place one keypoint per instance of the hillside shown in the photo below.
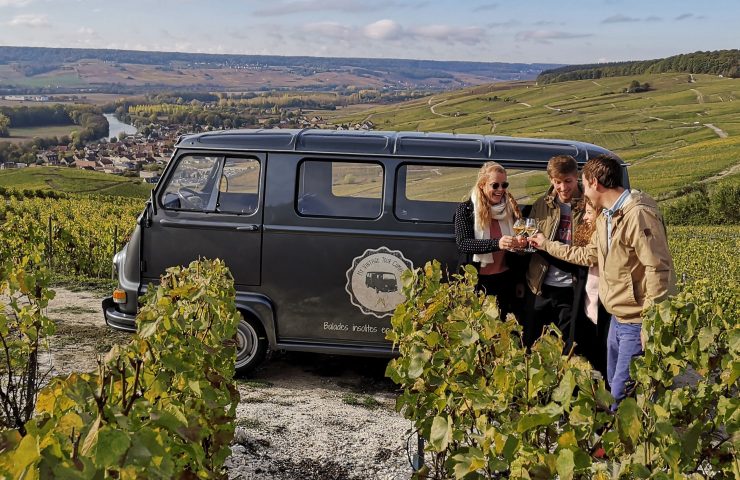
(683, 130)
(68, 70)
(72, 180)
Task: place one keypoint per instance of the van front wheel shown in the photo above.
(251, 345)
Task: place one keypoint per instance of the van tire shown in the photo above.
(251, 344)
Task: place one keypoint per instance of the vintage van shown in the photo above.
(317, 226)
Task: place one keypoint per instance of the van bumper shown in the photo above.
(117, 319)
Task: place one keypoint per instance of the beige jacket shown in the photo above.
(547, 213)
(637, 270)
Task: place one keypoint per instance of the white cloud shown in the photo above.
(14, 3)
(86, 31)
(449, 34)
(328, 29)
(546, 36)
(389, 31)
(485, 7)
(29, 20)
(383, 30)
(301, 6)
(619, 18)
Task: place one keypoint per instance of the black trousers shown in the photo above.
(503, 286)
(554, 305)
(591, 339)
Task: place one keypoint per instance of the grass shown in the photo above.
(248, 423)
(252, 400)
(99, 286)
(46, 81)
(662, 132)
(75, 181)
(253, 383)
(75, 310)
(365, 401)
(29, 133)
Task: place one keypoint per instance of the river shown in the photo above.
(116, 126)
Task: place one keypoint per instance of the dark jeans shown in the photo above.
(554, 305)
(623, 345)
(503, 286)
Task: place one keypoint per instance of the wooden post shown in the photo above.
(50, 251)
(115, 249)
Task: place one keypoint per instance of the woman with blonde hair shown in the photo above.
(484, 233)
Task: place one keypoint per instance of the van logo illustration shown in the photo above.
(374, 281)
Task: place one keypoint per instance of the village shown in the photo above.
(130, 155)
(145, 153)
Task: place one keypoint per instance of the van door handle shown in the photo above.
(248, 228)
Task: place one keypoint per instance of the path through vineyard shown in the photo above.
(301, 415)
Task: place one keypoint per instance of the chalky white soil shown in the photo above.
(301, 416)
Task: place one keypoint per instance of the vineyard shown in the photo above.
(554, 431)
(79, 234)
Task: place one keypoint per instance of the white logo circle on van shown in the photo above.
(374, 281)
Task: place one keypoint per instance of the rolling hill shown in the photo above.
(684, 129)
(69, 70)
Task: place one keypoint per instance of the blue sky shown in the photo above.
(565, 31)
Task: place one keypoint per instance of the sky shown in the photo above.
(536, 31)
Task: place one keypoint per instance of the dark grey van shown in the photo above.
(317, 226)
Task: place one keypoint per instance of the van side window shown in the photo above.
(239, 186)
(340, 189)
(431, 193)
(192, 184)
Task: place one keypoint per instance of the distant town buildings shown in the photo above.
(133, 155)
(26, 98)
(145, 155)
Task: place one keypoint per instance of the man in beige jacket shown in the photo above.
(630, 248)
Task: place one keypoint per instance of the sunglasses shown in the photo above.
(503, 186)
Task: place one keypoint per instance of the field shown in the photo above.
(26, 134)
(88, 98)
(72, 180)
(684, 130)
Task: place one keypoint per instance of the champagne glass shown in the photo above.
(530, 228)
(519, 227)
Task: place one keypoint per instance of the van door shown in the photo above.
(208, 206)
(324, 213)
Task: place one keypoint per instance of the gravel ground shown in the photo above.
(301, 416)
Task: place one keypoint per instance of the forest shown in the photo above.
(720, 62)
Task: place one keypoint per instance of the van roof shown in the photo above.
(402, 144)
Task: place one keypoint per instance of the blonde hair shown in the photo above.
(483, 207)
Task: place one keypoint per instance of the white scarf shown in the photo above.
(501, 213)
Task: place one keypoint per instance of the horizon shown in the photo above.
(481, 31)
(355, 58)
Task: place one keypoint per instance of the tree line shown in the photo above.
(720, 62)
(91, 120)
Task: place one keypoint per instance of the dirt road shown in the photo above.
(300, 416)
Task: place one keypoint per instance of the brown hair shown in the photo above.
(605, 169)
(561, 165)
(483, 207)
(584, 230)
